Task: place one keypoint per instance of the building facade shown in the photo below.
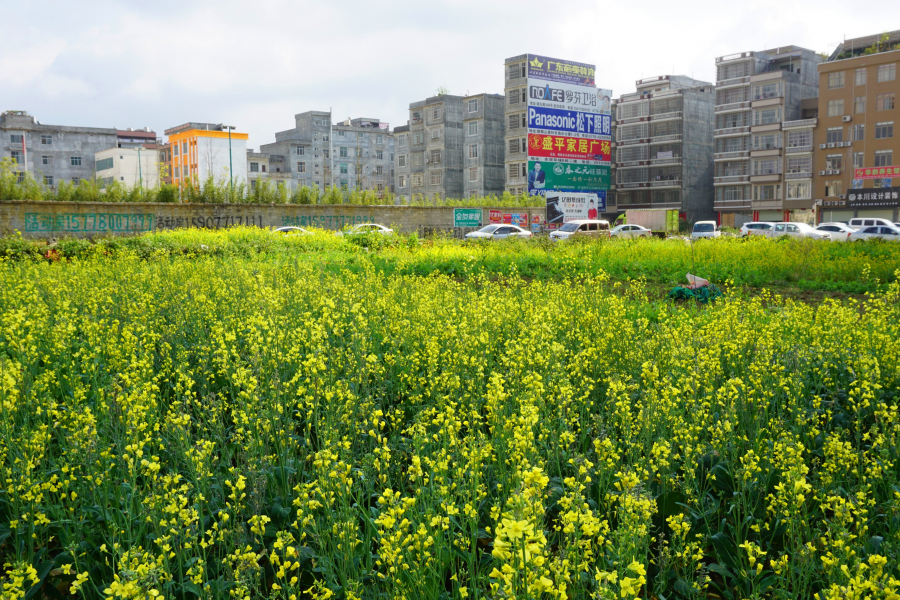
(515, 91)
(757, 93)
(203, 150)
(663, 147)
(856, 150)
(131, 167)
(52, 153)
(355, 154)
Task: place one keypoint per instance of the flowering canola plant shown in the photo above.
(208, 427)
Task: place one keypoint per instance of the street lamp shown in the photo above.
(230, 161)
(140, 171)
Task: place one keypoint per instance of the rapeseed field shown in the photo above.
(264, 425)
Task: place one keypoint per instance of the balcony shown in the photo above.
(736, 155)
(767, 96)
(731, 179)
(729, 205)
(798, 175)
(733, 82)
(675, 160)
(765, 177)
(801, 123)
(669, 116)
(666, 183)
(798, 149)
(662, 139)
(731, 131)
(732, 107)
(633, 141)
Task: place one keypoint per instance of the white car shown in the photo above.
(367, 228)
(799, 230)
(705, 229)
(498, 232)
(860, 222)
(629, 231)
(292, 231)
(838, 232)
(761, 228)
(888, 234)
(582, 228)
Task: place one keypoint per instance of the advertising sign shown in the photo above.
(875, 198)
(568, 121)
(569, 177)
(495, 216)
(466, 217)
(563, 207)
(507, 218)
(876, 172)
(552, 94)
(568, 148)
(565, 71)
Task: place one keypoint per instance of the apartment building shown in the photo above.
(137, 166)
(856, 150)
(203, 150)
(663, 147)
(354, 154)
(759, 99)
(515, 90)
(52, 153)
(452, 147)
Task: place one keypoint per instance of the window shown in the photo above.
(342, 151)
(263, 168)
(859, 105)
(885, 101)
(402, 181)
(47, 140)
(379, 155)
(513, 97)
(301, 151)
(435, 157)
(436, 133)
(48, 179)
(46, 160)
(835, 80)
(884, 130)
(17, 157)
(435, 177)
(473, 105)
(184, 147)
(767, 141)
(799, 190)
(761, 92)
(767, 117)
(301, 167)
(325, 137)
(419, 138)
(858, 160)
(473, 127)
(379, 171)
(513, 171)
(177, 172)
(436, 113)
(884, 158)
(343, 168)
(767, 192)
(835, 108)
(859, 132)
(401, 141)
(16, 138)
(254, 167)
(860, 77)
(834, 135)
(379, 139)
(514, 121)
(515, 145)
(75, 161)
(473, 173)
(401, 160)
(797, 139)
(834, 162)
(417, 179)
(768, 166)
(799, 164)
(834, 187)
(76, 180)
(514, 71)
(887, 72)
(175, 150)
(418, 159)
(473, 150)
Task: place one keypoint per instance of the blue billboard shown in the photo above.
(570, 121)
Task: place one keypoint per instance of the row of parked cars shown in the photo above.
(580, 228)
(855, 230)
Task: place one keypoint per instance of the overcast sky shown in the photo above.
(256, 64)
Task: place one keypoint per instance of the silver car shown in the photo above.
(761, 228)
(838, 232)
(799, 230)
(880, 232)
(498, 232)
(367, 228)
(629, 231)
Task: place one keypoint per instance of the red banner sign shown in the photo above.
(507, 218)
(569, 148)
(496, 216)
(876, 172)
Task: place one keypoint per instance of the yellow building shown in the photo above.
(203, 150)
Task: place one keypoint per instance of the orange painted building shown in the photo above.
(202, 150)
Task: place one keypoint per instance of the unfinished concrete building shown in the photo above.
(663, 140)
(451, 148)
(759, 95)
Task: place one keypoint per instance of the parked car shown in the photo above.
(498, 232)
(629, 231)
(705, 229)
(799, 230)
(581, 228)
(860, 222)
(838, 232)
(367, 228)
(896, 224)
(291, 231)
(763, 228)
(881, 232)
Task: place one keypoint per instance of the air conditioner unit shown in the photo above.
(831, 145)
(829, 172)
(822, 146)
(847, 119)
(821, 172)
(843, 197)
(847, 144)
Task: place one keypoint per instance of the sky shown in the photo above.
(256, 64)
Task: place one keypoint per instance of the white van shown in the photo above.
(581, 228)
(705, 229)
(860, 222)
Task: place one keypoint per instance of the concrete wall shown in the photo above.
(42, 220)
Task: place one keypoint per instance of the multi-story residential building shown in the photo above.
(257, 167)
(203, 150)
(131, 167)
(453, 147)
(757, 94)
(856, 151)
(356, 154)
(402, 165)
(663, 147)
(52, 153)
(515, 90)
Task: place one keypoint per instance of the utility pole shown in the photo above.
(140, 170)
(230, 159)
